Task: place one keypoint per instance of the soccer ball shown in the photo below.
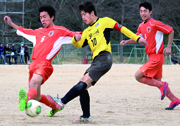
(33, 108)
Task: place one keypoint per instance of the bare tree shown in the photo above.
(126, 12)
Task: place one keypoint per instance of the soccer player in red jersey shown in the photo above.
(151, 72)
(47, 43)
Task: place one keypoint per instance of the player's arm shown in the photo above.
(166, 29)
(26, 33)
(126, 32)
(170, 39)
(123, 42)
(8, 20)
(19, 28)
(167, 50)
(79, 40)
(134, 38)
(130, 41)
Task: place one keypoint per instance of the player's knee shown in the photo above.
(80, 86)
(137, 77)
(33, 84)
(87, 79)
(38, 97)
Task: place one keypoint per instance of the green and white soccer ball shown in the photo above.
(33, 108)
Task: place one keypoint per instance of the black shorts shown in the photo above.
(100, 65)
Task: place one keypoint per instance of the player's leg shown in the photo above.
(71, 94)
(34, 87)
(85, 103)
(33, 92)
(54, 104)
(98, 68)
(85, 106)
(170, 95)
(163, 86)
(47, 100)
(174, 100)
(150, 70)
(147, 80)
(173, 104)
(76, 90)
(40, 71)
(152, 82)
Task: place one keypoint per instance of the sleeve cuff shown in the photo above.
(74, 39)
(138, 39)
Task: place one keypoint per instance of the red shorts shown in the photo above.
(153, 68)
(43, 68)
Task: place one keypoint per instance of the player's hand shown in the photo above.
(78, 37)
(167, 51)
(123, 42)
(7, 19)
(142, 41)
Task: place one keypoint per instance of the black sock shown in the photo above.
(85, 103)
(74, 92)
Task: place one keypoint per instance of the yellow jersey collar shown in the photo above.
(94, 22)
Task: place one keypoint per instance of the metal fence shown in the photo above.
(132, 53)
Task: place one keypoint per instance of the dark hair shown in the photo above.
(146, 5)
(49, 9)
(88, 6)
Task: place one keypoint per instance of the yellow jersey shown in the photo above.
(97, 36)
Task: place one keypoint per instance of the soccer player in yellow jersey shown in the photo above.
(97, 36)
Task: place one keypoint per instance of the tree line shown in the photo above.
(126, 12)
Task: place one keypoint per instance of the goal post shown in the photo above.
(137, 55)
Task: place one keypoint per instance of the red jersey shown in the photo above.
(153, 31)
(47, 42)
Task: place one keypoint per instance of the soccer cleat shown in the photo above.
(22, 99)
(58, 103)
(173, 104)
(52, 112)
(163, 90)
(83, 120)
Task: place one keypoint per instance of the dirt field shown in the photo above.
(116, 100)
